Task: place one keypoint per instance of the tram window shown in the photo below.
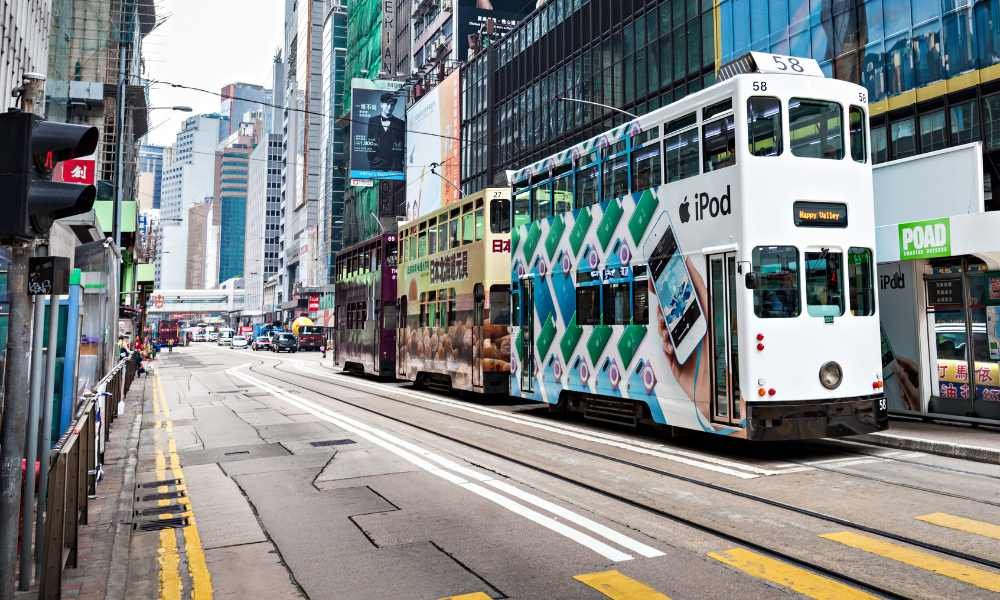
(422, 320)
(480, 225)
(861, 282)
(500, 304)
(432, 236)
(586, 186)
(453, 232)
(522, 208)
(857, 120)
(617, 304)
(499, 218)
(615, 181)
(469, 228)
(442, 233)
(542, 201)
(680, 123)
(645, 167)
(777, 293)
(562, 193)
(452, 300)
(716, 109)
(640, 296)
(515, 307)
(389, 317)
(764, 126)
(588, 299)
(718, 144)
(422, 244)
(816, 128)
(824, 283)
(432, 312)
(680, 152)
(402, 313)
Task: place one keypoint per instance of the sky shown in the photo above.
(207, 44)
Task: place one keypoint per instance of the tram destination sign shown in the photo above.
(820, 214)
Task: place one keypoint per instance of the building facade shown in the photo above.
(151, 171)
(198, 224)
(333, 151)
(261, 260)
(188, 178)
(238, 99)
(25, 43)
(232, 164)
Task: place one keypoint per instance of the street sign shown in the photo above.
(48, 275)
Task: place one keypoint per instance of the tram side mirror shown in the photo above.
(752, 280)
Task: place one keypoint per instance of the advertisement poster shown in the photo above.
(495, 17)
(901, 365)
(993, 331)
(438, 111)
(378, 130)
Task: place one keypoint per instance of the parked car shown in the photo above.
(240, 342)
(261, 342)
(285, 342)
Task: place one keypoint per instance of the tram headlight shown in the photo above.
(830, 375)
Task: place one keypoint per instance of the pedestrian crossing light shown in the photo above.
(30, 150)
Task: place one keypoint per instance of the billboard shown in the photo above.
(378, 130)
(494, 17)
(436, 113)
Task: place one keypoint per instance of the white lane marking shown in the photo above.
(727, 467)
(450, 471)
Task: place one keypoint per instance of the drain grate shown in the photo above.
(157, 524)
(236, 452)
(153, 484)
(163, 496)
(157, 510)
(331, 443)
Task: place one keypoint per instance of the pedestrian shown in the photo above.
(170, 346)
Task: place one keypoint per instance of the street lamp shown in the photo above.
(614, 108)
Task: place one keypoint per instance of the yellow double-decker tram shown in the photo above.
(454, 295)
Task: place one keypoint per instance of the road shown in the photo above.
(307, 483)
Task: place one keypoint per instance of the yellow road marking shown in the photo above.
(799, 580)
(962, 524)
(201, 580)
(617, 586)
(473, 596)
(922, 560)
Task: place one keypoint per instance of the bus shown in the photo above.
(167, 331)
(365, 307)
(454, 295)
(708, 265)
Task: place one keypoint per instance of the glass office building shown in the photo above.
(932, 68)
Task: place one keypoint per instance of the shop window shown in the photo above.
(824, 284)
(718, 144)
(860, 279)
(964, 123)
(816, 128)
(764, 126)
(903, 138)
(776, 295)
(858, 123)
(932, 132)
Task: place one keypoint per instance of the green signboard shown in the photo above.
(925, 239)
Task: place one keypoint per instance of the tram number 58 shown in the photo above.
(760, 86)
(788, 63)
(882, 404)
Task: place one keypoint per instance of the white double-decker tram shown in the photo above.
(708, 265)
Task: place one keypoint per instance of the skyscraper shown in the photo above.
(151, 174)
(334, 156)
(232, 162)
(238, 99)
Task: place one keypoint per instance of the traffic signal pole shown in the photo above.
(31, 448)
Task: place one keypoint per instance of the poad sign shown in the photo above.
(925, 239)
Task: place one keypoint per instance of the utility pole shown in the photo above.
(45, 439)
(31, 447)
(15, 414)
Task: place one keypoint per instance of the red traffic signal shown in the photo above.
(30, 149)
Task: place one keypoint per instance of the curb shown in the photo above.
(121, 546)
(975, 453)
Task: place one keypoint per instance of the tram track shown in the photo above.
(672, 516)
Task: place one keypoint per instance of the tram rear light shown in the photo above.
(760, 337)
(761, 392)
(760, 347)
(772, 392)
(877, 384)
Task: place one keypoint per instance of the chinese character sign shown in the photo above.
(79, 171)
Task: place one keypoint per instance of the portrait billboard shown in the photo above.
(432, 138)
(496, 17)
(378, 130)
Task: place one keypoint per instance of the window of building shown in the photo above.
(880, 144)
(777, 292)
(857, 124)
(816, 128)
(932, 131)
(903, 138)
(964, 123)
(764, 126)
(824, 283)
(718, 144)
(860, 279)
(681, 155)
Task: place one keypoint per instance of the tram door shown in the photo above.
(725, 340)
(478, 296)
(527, 309)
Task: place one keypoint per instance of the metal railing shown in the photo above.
(74, 469)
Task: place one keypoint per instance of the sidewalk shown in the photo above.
(103, 545)
(963, 441)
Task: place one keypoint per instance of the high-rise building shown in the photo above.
(199, 225)
(150, 176)
(261, 259)
(238, 99)
(232, 163)
(333, 153)
(302, 132)
(188, 178)
(25, 47)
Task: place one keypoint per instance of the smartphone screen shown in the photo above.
(674, 287)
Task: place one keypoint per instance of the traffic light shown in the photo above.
(30, 149)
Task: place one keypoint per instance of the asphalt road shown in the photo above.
(304, 482)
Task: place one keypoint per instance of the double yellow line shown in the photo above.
(171, 586)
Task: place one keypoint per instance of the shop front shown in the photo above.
(939, 289)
